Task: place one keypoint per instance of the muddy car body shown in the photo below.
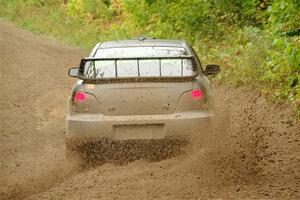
(140, 89)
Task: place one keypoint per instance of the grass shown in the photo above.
(248, 56)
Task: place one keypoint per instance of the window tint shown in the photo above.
(127, 68)
(101, 69)
(187, 67)
(171, 67)
(149, 68)
(139, 68)
(174, 67)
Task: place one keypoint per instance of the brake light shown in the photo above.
(79, 96)
(197, 94)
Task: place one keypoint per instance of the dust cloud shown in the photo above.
(250, 152)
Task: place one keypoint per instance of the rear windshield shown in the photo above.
(154, 67)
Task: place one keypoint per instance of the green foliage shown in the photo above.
(239, 11)
(177, 18)
(91, 9)
(285, 16)
(282, 68)
(256, 42)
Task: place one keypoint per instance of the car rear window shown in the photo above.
(166, 67)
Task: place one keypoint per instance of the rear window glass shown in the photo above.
(155, 67)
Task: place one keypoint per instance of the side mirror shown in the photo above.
(73, 72)
(211, 69)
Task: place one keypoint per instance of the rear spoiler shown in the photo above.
(89, 59)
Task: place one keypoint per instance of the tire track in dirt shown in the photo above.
(251, 153)
(34, 91)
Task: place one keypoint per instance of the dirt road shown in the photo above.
(253, 151)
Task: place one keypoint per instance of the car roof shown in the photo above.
(142, 42)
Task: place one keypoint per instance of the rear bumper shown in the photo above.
(126, 127)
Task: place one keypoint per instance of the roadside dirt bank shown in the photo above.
(253, 151)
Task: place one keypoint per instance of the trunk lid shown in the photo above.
(138, 98)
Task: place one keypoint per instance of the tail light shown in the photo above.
(194, 99)
(80, 96)
(197, 94)
(82, 102)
